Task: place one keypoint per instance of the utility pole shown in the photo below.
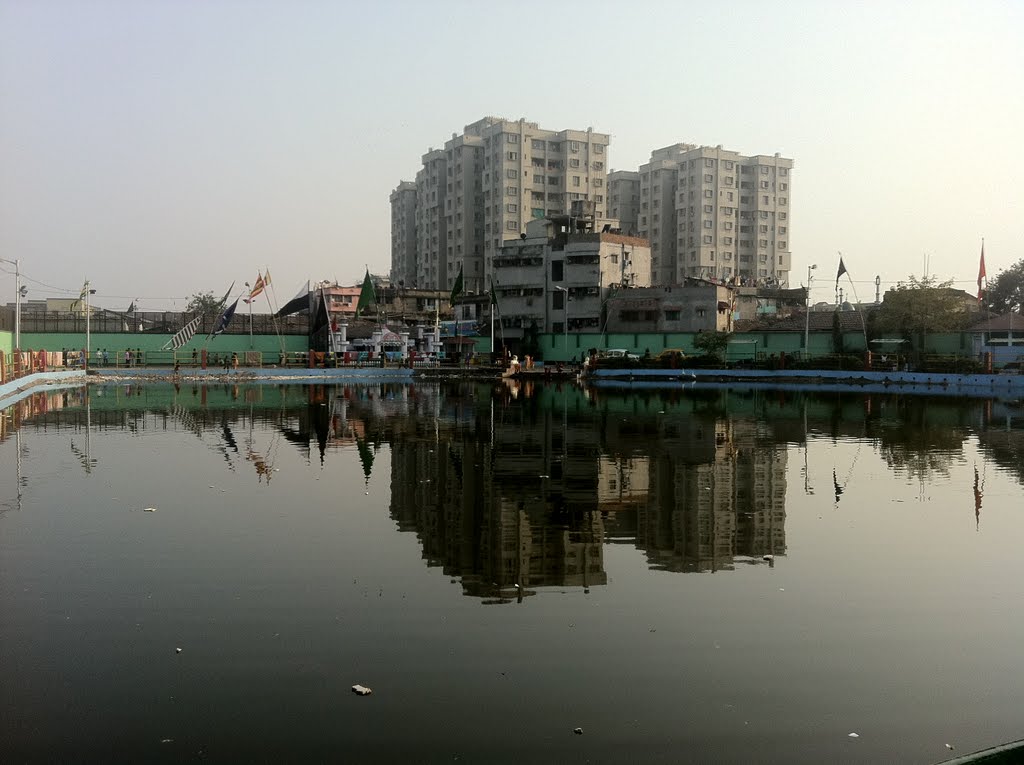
(807, 312)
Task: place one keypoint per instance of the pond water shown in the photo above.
(702, 575)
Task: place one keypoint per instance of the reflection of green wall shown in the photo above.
(118, 342)
(6, 342)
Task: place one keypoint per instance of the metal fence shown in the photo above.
(155, 322)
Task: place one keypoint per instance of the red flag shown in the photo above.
(981, 272)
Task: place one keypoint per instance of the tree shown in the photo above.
(1006, 292)
(711, 343)
(922, 305)
(205, 303)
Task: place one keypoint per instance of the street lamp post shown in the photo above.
(88, 318)
(19, 293)
(807, 312)
(566, 328)
(249, 301)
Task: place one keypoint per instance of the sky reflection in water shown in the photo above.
(502, 565)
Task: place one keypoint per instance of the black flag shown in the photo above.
(841, 271)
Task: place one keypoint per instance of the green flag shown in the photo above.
(367, 296)
(457, 289)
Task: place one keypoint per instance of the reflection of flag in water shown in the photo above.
(835, 485)
(977, 498)
(365, 457)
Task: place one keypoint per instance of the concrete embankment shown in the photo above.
(15, 390)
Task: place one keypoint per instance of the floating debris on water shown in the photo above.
(361, 690)
(578, 731)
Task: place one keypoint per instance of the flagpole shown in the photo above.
(88, 316)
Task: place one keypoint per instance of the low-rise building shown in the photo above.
(695, 306)
(561, 271)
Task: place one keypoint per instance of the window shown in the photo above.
(709, 209)
(573, 162)
(783, 171)
(726, 211)
(599, 198)
(783, 186)
(708, 162)
(512, 225)
(726, 256)
(552, 180)
(557, 270)
(575, 180)
(782, 229)
(764, 171)
(512, 208)
(598, 165)
(763, 228)
(513, 155)
(554, 146)
(598, 182)
(709, 224)
(782, 201)
(512, 137)
(782, 216)
(707, 239)
(513, 174)
(762, 243)
(512, 191)
(763, 215)
(708, 178)
(729, 196)
(782, 244)
(672, 315)
(729, 180)
(538, 179)
(764, 184)
(727, 225)
(708, 194)
(726, 240)
(614, 258)
(728, 165)
(537, 145)
(574, 146)
(598, 148)
(537, 212)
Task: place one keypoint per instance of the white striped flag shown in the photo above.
(184, 334)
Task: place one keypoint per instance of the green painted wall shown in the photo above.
(745, 344)
(6, 342)
(118, 343)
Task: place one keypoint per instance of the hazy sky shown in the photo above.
(167, 147)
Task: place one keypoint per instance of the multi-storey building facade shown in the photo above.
(488, 182)
(716, 214)
(431, 223)
(403, 233)
(623, 199)
(562, 271)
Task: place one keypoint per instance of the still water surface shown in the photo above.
(503, 566)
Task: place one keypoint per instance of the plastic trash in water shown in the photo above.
(361, 690)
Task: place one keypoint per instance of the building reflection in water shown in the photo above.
(510, 489)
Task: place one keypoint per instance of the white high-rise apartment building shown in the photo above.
(716, 214)
(488, 182)
(624, 199)
(403, 234)
(431, 224)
